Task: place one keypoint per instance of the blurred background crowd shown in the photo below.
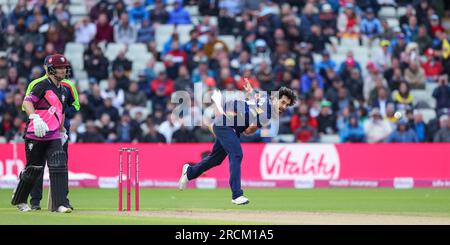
(364, 70)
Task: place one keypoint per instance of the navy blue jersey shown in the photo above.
(240, 114)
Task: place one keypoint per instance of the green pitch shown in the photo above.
(171, 206)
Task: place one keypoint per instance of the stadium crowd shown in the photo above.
(294, 43)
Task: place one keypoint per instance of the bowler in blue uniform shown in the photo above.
(238, 116)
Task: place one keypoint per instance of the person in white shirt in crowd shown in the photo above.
(85, 31)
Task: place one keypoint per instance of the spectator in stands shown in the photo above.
(124, 31)
(388, 31)
(105, 32)
(168, 127)
(265, 77)
(435, 25)
(325, 63)
(355, 85)
(442, 93)
(183, 81)
(6, 122)
(318, 40)
(107, 128)
(353, 131)
(399, 45)
(420, 127)
(85, 31)
(328, 20)
(326, 119)
(96, 65)
(310, 80)
(159, 14)
(344, 99)
(87, 109)
(128, 130)
(248, 73)
(174, 59)
(415, 76)
(203, 134)
(123, 82)
(402, 97)
(348, 23)
(370, 25)
(373, 80)
(443, 134)
(305, 133)
(432, 67)
(261, 53)
(383, 57)
(201, 71)
(179, 15)
(138, 13)
(109, 109)
(422, 39)
(411, 29)
(112, 91)
(161, 88)
(376, 128)
(91, 135)
(146, 33)
(403, 134)
(381, 100)
(33, 34)
(308, 19)
(212, 41)
(409, 12)
(152, 135)
(182, 135)
(135, 97)
(122, 61)
(208, 7)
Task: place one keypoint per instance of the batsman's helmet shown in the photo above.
(52, 62)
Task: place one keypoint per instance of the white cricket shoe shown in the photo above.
(62, 209)
(182, 183)
(240, 200)
(23, 207)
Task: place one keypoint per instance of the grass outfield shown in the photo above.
(170, 206)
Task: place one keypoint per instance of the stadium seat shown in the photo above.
(159, 66)
(78, 10)
(73, 47)
(393, 22)
(75, 59)
(349, 42)
(103, 84)
(192, 10)
(83, 85)
(429, 87)
(330, 138)
(113, 49)
(387, 12)
(401, 11)
(422, 96)
(229, 41)
(137, 47)
(80, 74)
(428, 114)
(285, 138)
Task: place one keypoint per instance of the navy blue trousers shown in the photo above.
(227, 143)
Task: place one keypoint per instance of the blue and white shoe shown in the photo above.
(182, 183)
(240, 200)
(23, 207)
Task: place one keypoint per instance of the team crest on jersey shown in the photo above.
(30, 146)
